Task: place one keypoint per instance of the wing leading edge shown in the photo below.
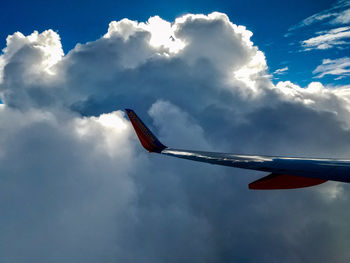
(286, 172)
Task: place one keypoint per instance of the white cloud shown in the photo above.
(161, 32)
(47, 45)
(312, 19)
(337, 14)
(333, 38)
(281, 71)
(338, 67)
(74, 174)
(342, 18)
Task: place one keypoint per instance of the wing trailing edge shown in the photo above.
(284, 181)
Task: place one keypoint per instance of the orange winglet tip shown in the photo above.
(284, 181)
(146, 137)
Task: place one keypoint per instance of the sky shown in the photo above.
(245, 77)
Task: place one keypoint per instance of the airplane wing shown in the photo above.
(285, 172)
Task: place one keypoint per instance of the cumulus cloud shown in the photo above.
(75, 185)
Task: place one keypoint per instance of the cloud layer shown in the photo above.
(75, 185)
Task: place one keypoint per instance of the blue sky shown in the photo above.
(82, 21)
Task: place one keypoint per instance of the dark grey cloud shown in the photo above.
(75, 185)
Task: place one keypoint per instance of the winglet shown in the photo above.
(146, 137)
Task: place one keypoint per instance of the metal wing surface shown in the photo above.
(285, 172)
